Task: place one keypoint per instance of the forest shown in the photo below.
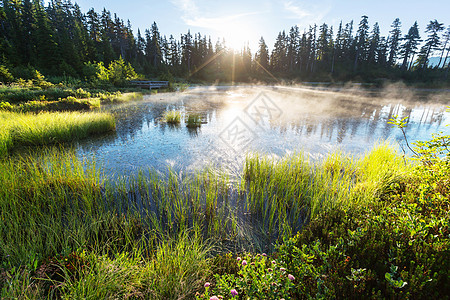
(60, 40)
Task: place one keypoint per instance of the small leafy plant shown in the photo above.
(257, 277)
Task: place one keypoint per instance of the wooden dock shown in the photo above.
(150, 84)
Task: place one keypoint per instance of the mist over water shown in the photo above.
(271, 120)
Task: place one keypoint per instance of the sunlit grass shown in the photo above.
(147, 235)
(172, 117)
(22, 129)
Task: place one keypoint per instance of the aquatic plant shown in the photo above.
(172, 117)
(193, 121)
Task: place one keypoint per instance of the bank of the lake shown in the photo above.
(29, 129)
(371, 226)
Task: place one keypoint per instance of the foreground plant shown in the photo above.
(257, 277)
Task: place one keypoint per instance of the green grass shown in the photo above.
(108, 98)
(64, 229)
(172, 117)
(34, 98)
(193, 121)
(22, 129)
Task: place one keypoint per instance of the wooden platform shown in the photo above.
(150, 84)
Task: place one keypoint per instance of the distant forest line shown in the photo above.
(60, 40)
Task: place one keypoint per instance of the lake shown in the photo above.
(271, 120)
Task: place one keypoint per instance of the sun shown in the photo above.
(236, 35)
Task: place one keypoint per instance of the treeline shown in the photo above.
(61, 40)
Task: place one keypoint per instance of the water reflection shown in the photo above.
(313, 121)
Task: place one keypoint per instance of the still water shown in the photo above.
(274, 121)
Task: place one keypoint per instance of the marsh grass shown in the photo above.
(172, 117)
(109, 98)
(59, 98)
(145, 236)
(193, 121)
(22, 129)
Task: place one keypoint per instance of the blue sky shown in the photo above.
(240, 21)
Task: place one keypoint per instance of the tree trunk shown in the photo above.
(446, 71)
(355, 65)
(412, 61)
(442, 54)
(446, 56)
(332, 61)
(405, 59)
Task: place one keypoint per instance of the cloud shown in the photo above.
(306, 16)
(297, 11)
(216, 23)
(192, 16)
(188, 7)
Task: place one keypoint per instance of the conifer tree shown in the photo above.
(409, 47)
(394, 39)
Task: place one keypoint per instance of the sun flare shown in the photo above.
(236, 35)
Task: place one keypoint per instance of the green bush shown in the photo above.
(80, 93)
(5, 75)
(117, 73)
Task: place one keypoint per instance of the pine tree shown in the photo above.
(47, 55)
(394, 39)
(431, 43)
(409, 47)
(446, 37)
(374, 41)
(324, 43)
(262, 57)
(292, 48)
(278, 57)
(361, 42)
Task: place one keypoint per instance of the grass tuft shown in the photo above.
(172, 117)
(193, 121)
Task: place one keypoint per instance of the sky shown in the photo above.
(240, 21)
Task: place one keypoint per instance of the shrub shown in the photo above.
(80, 93)
(5, 75)
(117, 73)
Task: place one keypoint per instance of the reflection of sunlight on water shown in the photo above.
(315, 123)
(235, 94)
(170, 162)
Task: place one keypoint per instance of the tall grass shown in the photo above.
(20, 129)
(146, 236)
